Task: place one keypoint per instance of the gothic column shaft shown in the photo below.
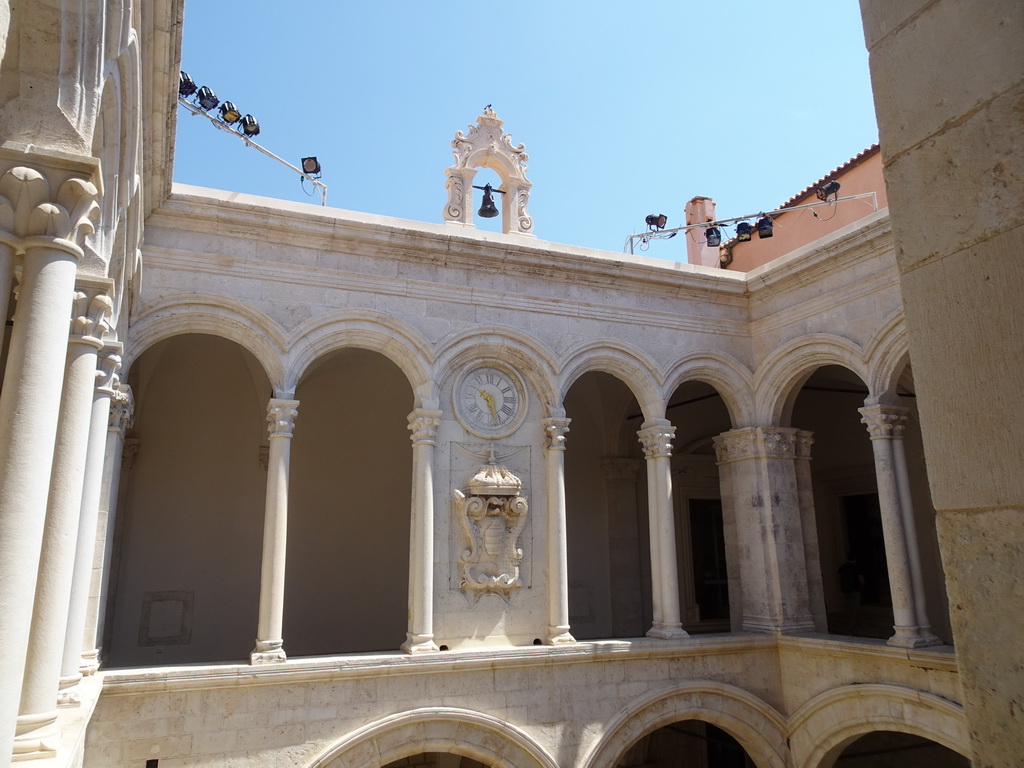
(656, 438)
(85, 549)
(882, 422)
(423, 424)
(57, 559)
(555, 430)
(281, 415)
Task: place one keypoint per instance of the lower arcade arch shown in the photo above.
(436, 760)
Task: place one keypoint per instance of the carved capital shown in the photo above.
(804, 441)
(884, 422)
(555, 431)
(122, 410)
(91, 309)
(281, 416)
(759, 442)
(657, 440)
(423, 424)
(107, 366)
(32, 215)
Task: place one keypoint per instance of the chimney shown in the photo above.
(698, 211)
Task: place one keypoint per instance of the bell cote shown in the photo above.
(487, 146)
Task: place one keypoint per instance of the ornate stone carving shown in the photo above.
(90, 312)
(884, 421)
(657, 441)
(492, 516)
(281, 416)
(759, 442)
(107, 380)
(555, 431)
(122, 410)
(30, 215)
(423, 425)
(804, 441)
(487, 146)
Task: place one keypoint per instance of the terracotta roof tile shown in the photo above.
(852, 162)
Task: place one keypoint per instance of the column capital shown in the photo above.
(762, 443)
(32, 214)
(281, 416)
(91, 309)
(423, 424)
(122, 409)
(884, 422)
(109, 363)
(555, 430)
(656, 438)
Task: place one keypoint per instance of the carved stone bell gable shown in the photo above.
(487, 146)
(492, 516)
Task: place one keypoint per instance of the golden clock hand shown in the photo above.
(490, 403)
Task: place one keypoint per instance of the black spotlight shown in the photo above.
(311, 166)
(764, 227)
(713, 236)
(229, 113)
(249, 126)
(207, 99)
(744, 231)
(830, 189)
(487, 207)
(657, 221)
(186, 85)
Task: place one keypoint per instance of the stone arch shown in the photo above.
(215, 315)
(779, 378)
(759, 729)
(436, 729)
(887, 355)
(365, 329)
(631, 366)
(528, 355)
(825, 725)
(729, 377)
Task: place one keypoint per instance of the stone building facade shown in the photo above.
(322, 488)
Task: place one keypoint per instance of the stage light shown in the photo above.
(207, 99)
(311, 166)
(713, 236)
(186, 85)
(744, 230)
(830, 189)
(229, 113)
(657, 221)
(249, 126)
(764, 227)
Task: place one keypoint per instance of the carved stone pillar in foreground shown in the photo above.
(281, 415)
(36, 736)
(423, 424)
(759, 475)
(885, 425)
(656, 439)
(47, 230)
(555, 430)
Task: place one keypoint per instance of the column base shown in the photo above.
(268, 652)
(419, 644)
(912, 637)
(69, 694)
(37, 737)
(794, 626)
(667, 631)
(90, 662)
(560, 636)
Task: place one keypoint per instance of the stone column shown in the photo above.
(101, 584)
(6, 275)
(46, 233)
(85, 550)
(555, 430)
(883, 422)
(765, 504)
(281, 415)
(625, 555)
(423, 424)
(656, 438)
(36, 736)
(809, 524)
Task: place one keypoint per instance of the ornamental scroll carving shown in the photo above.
(29, 214)
(492, 516)
(487, 146)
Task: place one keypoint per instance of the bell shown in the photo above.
(487, 209)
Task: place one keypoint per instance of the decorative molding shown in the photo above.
(107, 366)
(555, 431)
(657, 441)
(804, 441)
(492, 516)
(122, 411)
(761, 443)
(423, 424)
(31, 216)
(91, 310)
(884, 422)
(281, 416)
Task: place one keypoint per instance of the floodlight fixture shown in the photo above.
(656, 221)
(764, 227)
(186, 85)
(207, 99)
(249, 126)
(831, 189)
(229, 113)
(744, 231)
(311, 167)
(713, 236)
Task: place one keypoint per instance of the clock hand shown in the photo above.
(490, 403)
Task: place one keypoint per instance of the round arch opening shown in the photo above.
(686, 743)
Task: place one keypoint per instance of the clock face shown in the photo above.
(489, 400)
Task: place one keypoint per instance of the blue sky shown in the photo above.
(625, 109)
